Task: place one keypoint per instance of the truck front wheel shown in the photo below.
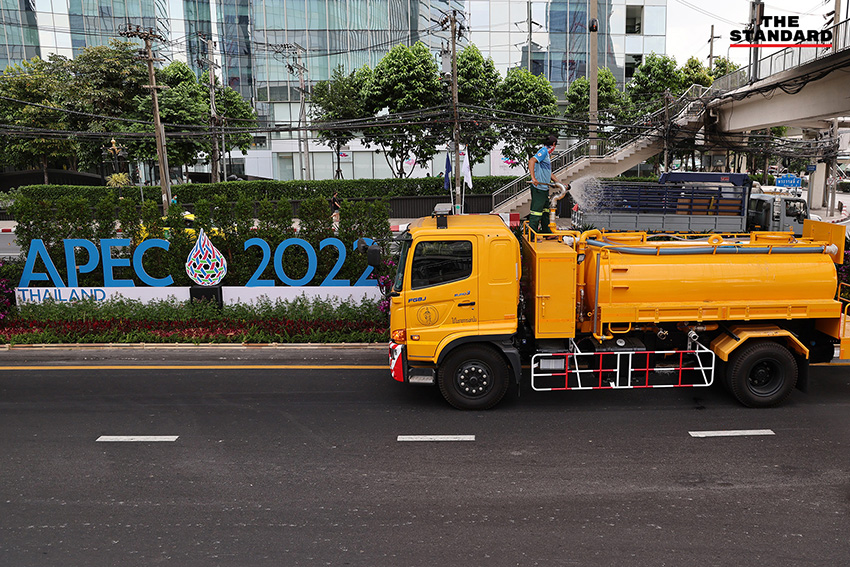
(762, 374)
(473, 378)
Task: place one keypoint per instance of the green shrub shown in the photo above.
(269, 189)
(229, 226)
(129, 321)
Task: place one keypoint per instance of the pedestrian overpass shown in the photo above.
(804, 87)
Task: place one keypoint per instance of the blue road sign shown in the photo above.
(788, 180)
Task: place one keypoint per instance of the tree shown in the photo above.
(530, 99)
(33, 104)
(614, 106)
(102, 83)
(184, 104)
(335, 100)
(405, 81)
(723, 66)
(478, 83)
(657, 74)
(694, 73)
(237, 117)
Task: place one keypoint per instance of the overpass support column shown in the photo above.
(817, 187)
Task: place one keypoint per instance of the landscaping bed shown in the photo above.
(300, 320)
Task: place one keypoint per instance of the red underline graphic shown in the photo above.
(781, 45)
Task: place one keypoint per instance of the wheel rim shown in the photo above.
(474, 379)
(765, 378)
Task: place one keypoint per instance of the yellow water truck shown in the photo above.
(473, 303)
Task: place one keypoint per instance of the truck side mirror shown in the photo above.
(373, 255)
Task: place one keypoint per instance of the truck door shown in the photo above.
(442, 294)
(795, 213)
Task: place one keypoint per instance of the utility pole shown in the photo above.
(529, 35)
(297, 67)
(458, 203)
(214, 154)
(756, 14)
(711, 57)
(666, 131)
(836, 19)
(592, 75)
(164, 176)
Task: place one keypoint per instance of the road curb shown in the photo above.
(166, 346)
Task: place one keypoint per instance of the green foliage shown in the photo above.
(522, 93)
(723, 66)
(478, 83)
(102, 80)
(695, 73)
(228, 224)
(340, 98)
(406, 80)
(298, 320)
(118, 180)
(657, 73)
(272, 190)
(183, 102)
(614, 106)
(32, 98)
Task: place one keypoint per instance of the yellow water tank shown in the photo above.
(686, 281)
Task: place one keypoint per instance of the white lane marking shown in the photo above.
(436, 438)
(136, 438)
(732, 433)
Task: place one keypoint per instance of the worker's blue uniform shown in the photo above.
(540, 193)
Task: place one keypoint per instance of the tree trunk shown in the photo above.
(44, 169)
(338, 172)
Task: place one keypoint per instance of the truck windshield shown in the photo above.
(402, 260)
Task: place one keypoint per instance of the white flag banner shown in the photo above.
(464, 169)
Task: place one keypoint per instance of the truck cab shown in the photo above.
(456, 290)
(777, 212)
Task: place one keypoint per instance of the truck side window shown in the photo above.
(794, 208)
(442, 261)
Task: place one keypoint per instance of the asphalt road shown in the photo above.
(283, 466)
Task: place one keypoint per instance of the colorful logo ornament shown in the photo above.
(205, 264)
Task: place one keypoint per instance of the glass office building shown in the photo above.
(255, 42)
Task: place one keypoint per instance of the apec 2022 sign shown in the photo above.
(205, 265)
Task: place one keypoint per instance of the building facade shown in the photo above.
(257, 42)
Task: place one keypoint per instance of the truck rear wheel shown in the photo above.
(762, 374)
(473, 378)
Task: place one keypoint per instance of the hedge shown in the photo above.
(271, 190)
(229, 224)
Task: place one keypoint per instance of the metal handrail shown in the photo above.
(644, 127)
(783, 60)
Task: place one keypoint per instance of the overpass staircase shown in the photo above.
(616, 153)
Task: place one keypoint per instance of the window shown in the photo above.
(794, 208)
(634, 17)
(632, 63)
(440, 262)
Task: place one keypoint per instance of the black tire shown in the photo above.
(473, 377)
(762, 374)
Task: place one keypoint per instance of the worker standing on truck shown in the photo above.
(540, 168)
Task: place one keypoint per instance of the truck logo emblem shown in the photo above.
(427, 315)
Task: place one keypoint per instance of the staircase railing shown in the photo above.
(613, 142)
(562, 160)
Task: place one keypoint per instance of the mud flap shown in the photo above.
(398, 362)
(802, 373)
